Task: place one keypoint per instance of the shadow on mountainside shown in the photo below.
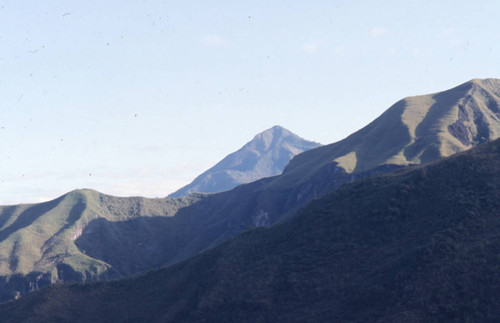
(140, 244)
(384, 137)
(132, 246)
(74, 215)
(428, 130)
(16, 285)
(7, 212)
(28, 216)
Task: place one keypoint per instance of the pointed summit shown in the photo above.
(265, 155)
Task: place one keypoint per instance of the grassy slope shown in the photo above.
(40, 238)
(414, 130)
(417, 245)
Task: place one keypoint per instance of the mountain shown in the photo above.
(415, 130)
(417, 245)
(37, 241)
(87, 236)
(265, 155)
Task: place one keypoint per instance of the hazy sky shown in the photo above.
(139, 97)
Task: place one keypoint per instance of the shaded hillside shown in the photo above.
(86, 235)
(265, 155)
(419, 245)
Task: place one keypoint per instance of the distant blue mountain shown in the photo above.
(265, 155)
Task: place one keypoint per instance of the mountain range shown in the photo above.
(417, 245)
(85, 235)
(265, 155)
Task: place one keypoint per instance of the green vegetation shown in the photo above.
(87, 236)
(417, 245)
(37, 242)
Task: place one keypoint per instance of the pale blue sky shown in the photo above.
(139, 97)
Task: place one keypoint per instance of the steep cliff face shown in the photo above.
(265, 155)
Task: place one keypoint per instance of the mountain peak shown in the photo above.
(272, 138)
(275, 131)
(265, 155)
(276, 128)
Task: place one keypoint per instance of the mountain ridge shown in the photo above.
(415, 130)
(414, 245)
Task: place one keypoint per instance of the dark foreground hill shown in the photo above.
(418, 245)
(86, 236)
(265, 155)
